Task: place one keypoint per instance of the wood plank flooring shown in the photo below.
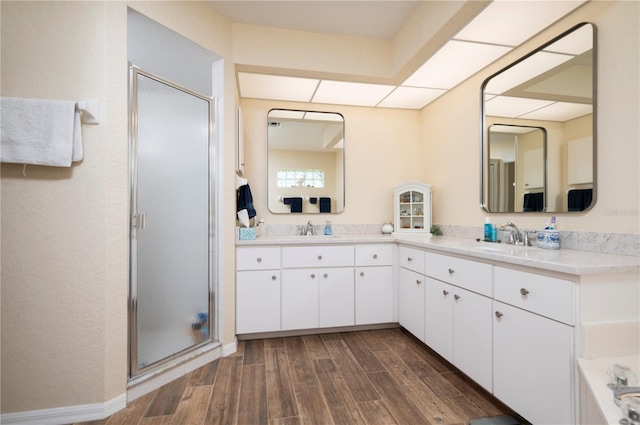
(380, 377)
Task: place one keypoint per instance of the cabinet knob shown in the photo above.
(313, 275)
(524, 291)
(362, 274)
(451, 271)
(259, 260)
(319, 257)
(418, 282)
(457, 297)
(445, 292)
(498, 314)
(375, 256)
(409, 259)
(325, 275)
(273, 277)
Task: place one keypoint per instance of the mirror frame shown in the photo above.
(484, 129)
(339, 184)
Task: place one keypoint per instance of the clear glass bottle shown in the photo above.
(327, 228)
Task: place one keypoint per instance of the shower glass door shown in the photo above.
(171, 302)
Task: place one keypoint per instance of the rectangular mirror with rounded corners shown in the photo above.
(305, 162)
(552, 89)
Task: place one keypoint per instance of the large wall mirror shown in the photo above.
(305, 162)
(538, 129)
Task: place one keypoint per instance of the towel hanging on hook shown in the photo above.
(240, 181)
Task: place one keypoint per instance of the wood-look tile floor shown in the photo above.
(366, 377)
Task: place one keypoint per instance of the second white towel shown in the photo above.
(40, 132)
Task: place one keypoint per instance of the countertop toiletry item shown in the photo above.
(494, 233)
(487, 229)
(327, 228)
(387, 228)
(261, 231)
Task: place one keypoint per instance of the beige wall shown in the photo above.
(64, 231)
(451, 132)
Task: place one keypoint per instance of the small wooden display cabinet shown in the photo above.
(412, 208)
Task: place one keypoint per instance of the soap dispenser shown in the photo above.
(327, 228)
(487, 229)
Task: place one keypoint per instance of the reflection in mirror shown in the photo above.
(552, 88)
(516, 168)
(305, 162)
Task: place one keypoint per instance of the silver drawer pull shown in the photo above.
(273, 277)
(375, 256)
(451, 271)
(498, 314)
(457, 297)
(319, 257)
(362, 274)
(313, 275)
(409, 259)
(524, 291)
(325, 276)
(445, 292)
(259, 260)
(418, 282)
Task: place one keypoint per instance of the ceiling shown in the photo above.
(495, 31)
(369, 19)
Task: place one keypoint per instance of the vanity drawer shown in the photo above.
(412, 259)
(318, 256)
(468, 274)
(258, 258)
(374, 255)
(547, 296)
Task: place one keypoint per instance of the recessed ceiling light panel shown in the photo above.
(411, 98)
(343, 93)
(262, 86)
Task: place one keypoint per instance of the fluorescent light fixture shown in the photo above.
(560, 111)
(453, 63)
(319, 116)
(343, 93)
(262, 86)
(509, 22)
(497, 128)
(411, 97)
(513, 107)
(281, 113)
(531, 67)
(575, 43)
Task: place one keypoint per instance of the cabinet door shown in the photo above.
(299, 299)
(411, 302)
(532, 365)
(258, 301)
(374, 295)
(472, 336)
(336, 297)
(438, 327)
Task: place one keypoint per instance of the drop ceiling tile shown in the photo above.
(560, 111)
(262, 86)
(411, 97)
(453, 63)
(344, 93)
(513, 107)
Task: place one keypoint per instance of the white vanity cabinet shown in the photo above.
(374, 287)
(318, 287)
(458, 322)
(257, 289)
(411, 308)
(533, 345)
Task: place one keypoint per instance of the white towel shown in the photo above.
(40, 132)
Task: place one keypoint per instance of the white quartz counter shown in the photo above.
(562, 260)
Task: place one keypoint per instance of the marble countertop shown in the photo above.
(561, 260)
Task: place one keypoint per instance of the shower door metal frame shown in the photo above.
(135, 221)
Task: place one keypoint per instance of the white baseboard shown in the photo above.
(66, 415)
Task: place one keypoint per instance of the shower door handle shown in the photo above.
(138, 221)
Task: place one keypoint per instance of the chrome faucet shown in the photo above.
(310, 230)
(515, 237)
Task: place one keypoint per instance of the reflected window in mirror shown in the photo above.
(305, 162)
(552, 88)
